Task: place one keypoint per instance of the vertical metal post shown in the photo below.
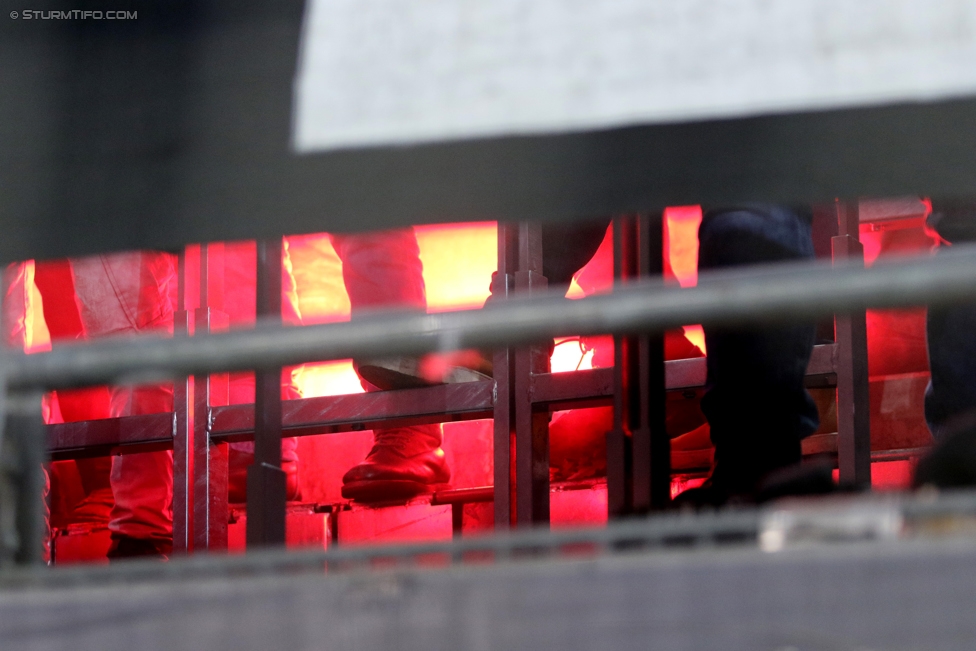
(8, 463)
(266, 490)
(503, 372)
(823, 230)
(210, 469)
(24, 535)
(531, 424)
(183, 432)
(651, 444)
(619, 451)
(853, 399)
(23, 504)
(8, 472)
(638, 447)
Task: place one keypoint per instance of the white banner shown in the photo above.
(381, 72)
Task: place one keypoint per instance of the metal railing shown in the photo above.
(785, 292)
(881, 518)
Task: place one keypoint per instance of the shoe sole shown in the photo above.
(388, 490)
(389, 380)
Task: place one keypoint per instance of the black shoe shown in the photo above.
(951, 463)
(727, 483)
(708, 495)
(392, 373)
(797, 481)
(402, 464)
(789, 481)
(127, 547)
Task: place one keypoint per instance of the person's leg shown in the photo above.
(755, 402)
(129, 293)
(90, 403)
(142, 518)
(384, 270)
(950, 400)
(56, 284)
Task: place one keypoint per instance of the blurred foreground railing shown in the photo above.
(842, 519)
(771, 293)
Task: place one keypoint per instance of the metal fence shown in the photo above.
(769, 293)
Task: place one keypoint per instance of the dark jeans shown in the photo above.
(755, 401)
(950, 399)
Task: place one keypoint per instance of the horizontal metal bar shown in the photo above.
(592, 387)
(902, 454)
(102, 437)
(771, 293)
(692, 373)
(436, 404)
(739, 525)
(734, 525)
(587, 388)
(329, 414)
(464, 496)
